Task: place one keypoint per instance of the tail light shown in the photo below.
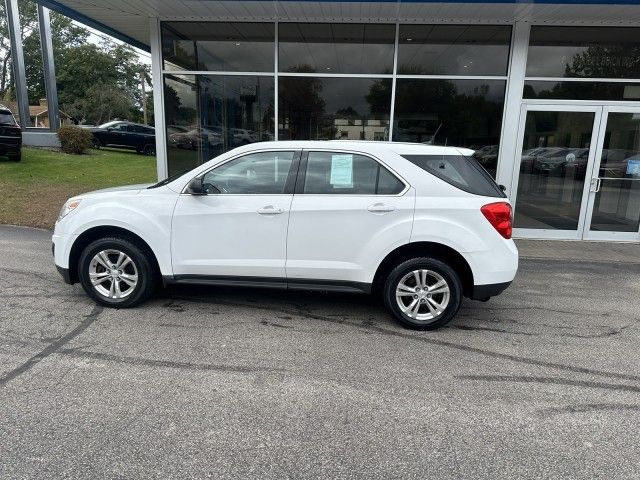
(500, 216)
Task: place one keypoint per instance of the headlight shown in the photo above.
(69, 206)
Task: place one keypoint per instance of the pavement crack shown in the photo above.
(551, 381)
(53, 347)
(588, 408)
(147, 362)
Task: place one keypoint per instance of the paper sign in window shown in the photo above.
(341, 171)
(633, 168)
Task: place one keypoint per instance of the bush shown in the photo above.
(75, 139)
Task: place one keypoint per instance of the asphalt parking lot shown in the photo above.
(541, 382)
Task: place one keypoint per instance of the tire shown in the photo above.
(149, 149)
(433, 310)
(16, 158)
(141, 266)
(96, 143)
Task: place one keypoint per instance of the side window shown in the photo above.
(253, 174)
(348, 173)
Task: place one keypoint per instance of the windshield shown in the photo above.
(108, 124)
(6, 118)
(164, 182)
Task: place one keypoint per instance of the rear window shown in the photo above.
(6, 118)
(462, 172)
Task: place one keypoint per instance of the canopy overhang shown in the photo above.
(129, 20)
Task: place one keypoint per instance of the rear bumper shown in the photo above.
(484, 292)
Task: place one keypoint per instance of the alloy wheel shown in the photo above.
(423, 294)
(113, 274)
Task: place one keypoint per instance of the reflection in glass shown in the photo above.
(581, 90)
(617, 205)
(207, 115)
(336, 48)
(591, 52)
(463, 113)
(453, 49)
(555, 152)
(228, 47)
(334, 108)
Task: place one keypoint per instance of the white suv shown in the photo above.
(420, 225)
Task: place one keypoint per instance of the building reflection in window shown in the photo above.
(207, 115)
(463, 113)
(334, 108)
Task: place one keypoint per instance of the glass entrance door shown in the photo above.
(613, 209)
(557, 154)
(579, 173)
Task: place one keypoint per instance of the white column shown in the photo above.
(158, 98)
(509, 154)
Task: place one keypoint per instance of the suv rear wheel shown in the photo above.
(116, 272)
(423, 293)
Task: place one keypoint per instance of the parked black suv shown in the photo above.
(10, 135)
(125, 134)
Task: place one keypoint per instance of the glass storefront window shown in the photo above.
(227, 47)
(334, 108)
(336, 48)
(590, 52)
(582, 90)
(210, 114)
(453, 49)
(462, 113)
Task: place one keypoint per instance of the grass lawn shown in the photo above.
(32, 191)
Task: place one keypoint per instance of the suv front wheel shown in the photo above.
(116, 272)
(423, 293)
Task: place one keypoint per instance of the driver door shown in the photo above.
(239, 227)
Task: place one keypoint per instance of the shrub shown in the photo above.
(75, 139)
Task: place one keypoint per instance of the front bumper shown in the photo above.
(66, 275)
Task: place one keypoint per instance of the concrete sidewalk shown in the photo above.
(579, 250)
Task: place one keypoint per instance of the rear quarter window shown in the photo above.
(6, 118)
(460, 171)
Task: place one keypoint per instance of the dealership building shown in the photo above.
(547, 93)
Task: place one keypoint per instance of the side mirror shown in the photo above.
(195, 187)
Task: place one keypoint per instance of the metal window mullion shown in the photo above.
(48, 66)
(582, 79)
(216, 72)
(392, 111)
(508, 156)
(162, 162)
(276, 96)
(17, 62)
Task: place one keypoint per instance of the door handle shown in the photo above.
(381, 208)
(270, 210)
(595, 184)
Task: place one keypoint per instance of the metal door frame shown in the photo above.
(594, 182)
(545, 233)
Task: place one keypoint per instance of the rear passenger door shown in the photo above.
(349, 210)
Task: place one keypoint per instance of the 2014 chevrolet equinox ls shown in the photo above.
(420, 225)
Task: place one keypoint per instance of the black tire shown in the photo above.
(149, 149)
(16, 158)
(440, 269)
(144, 267)
(96, 143)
